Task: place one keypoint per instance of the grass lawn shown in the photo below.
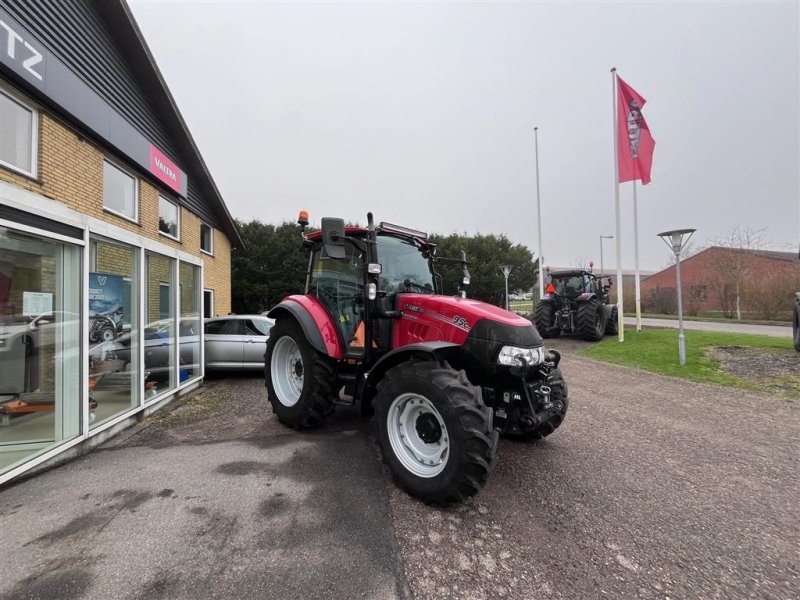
(656, 350)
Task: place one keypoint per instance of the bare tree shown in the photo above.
(731, 266)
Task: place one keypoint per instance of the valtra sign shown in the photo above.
(163, 168)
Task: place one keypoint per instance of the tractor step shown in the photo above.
(344, 399)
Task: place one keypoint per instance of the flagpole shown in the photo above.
(539, 214)
(618, 236)
(636, 259)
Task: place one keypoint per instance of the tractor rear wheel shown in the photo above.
(544, 318)
(612, 326)
(434, 431)
(590, 320)
(796, 325)
(299, 379)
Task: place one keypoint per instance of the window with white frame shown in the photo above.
(206, 238)
(19, 133)
(119, 192)
(169, 218)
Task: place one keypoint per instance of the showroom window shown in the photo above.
(40, 349)
(169, 218)
(113, 329)
(159, 332)
(19, 127)
(190, 323)
(119, 192)
(206, 238)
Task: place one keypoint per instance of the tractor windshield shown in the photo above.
(570, 287)
(405, 266)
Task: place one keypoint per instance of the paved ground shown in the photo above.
(729, 326)
(216, 500)
(652, 488)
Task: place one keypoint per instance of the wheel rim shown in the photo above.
(418, 435)
(108, 335)
(287, 371)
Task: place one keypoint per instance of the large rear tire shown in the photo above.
(796, 325)
(299, 379)
(612, 325)
(434, 432)
(544, 318)
(590, 320)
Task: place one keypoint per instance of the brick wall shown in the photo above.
(71, 172)
(705, 275)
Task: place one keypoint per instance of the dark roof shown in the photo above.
(774, 254)
(131, 41)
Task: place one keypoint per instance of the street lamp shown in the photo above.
(675, 241)
(603, 237)
(506, 269)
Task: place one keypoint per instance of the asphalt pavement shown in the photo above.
(652, 488)
(726, 326)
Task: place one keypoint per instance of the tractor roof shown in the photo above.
(381, 228)
(571, 273)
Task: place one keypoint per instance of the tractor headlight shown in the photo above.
(512, 356)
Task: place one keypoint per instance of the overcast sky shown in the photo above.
(424, 112)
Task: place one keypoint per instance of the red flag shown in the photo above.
(636, 145)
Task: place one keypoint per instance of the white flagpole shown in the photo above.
(636, 259)
(618, 232)
(539, 214)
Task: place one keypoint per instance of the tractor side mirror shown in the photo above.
(465, 278)
(333, 237)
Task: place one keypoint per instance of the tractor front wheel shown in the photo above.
(434, 431)
(590, 320)
(544, 318)
(299, 379)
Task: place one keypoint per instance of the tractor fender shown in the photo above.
(585, 297)
(314, 320)
(425, 351)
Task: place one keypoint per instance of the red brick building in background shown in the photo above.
(731, 281)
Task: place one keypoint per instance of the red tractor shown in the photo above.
(443, 375)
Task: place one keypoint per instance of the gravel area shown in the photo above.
(653, 488)
(777, 372)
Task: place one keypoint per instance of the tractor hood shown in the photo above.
(460, 318)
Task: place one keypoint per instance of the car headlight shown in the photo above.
(511, 356)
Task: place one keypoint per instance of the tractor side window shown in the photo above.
(339, 285)
(404, 267)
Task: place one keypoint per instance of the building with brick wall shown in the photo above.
(114, 240)
(758, 283)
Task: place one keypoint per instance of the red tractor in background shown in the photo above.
(443, 375)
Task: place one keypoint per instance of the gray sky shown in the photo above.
(424, 112)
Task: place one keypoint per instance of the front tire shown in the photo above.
(590, 320)
(544, 318)
(434, 432)
(299, 379)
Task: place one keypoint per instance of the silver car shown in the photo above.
(236, 341)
